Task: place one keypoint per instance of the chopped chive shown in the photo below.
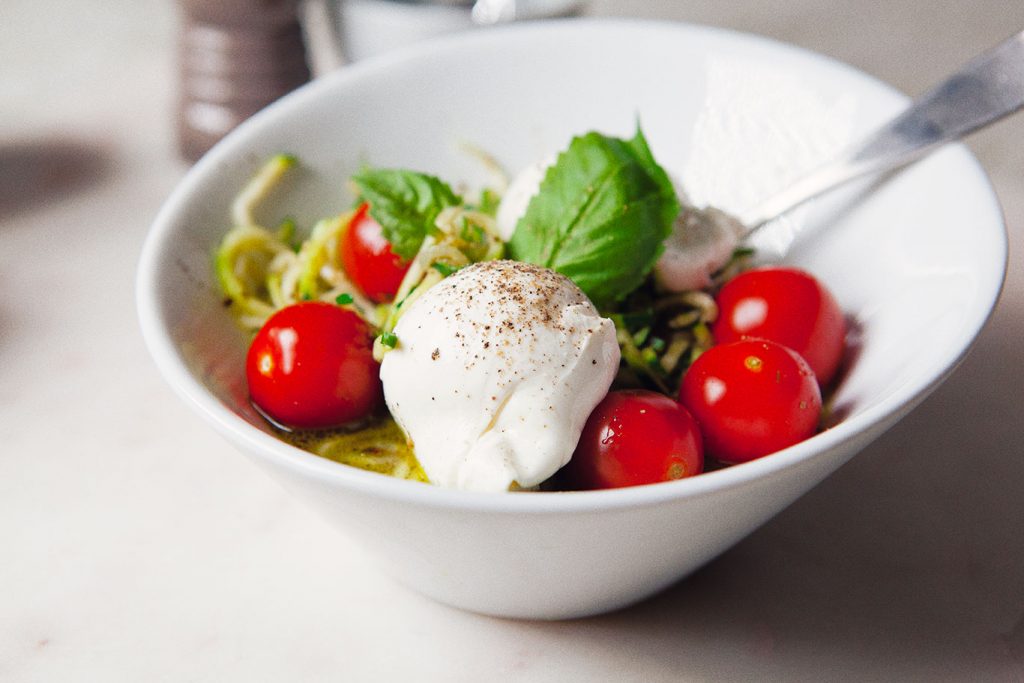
(658, 344)
(306, 296)
(286, 231)
(470, 232)
(389, 339)
(489, 200)
(637, 320)
(406, 297)
(443, 268)
(344, 299)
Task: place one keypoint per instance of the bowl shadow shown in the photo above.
(908, 561)
(38, 172)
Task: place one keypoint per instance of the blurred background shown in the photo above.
(134, 545)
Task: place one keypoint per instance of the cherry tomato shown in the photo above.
(788, 306)
(635, 437)
(368, 260)
(311, 366)
(751, 398)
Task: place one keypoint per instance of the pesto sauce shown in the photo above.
(377, 445)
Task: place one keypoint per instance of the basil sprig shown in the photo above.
(600, 217)
(405, 203)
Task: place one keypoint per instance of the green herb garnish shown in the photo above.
(389, 339)
(405, 203)
(344, 299)
(444, 268)
(601, 215)
(489, 201)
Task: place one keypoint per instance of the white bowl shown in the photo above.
(917, 261)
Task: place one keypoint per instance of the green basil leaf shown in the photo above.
(405, 203)
(600, 217)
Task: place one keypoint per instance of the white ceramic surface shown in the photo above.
(917, 285)
(367, 28)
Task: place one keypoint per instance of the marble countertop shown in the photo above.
(136, 545)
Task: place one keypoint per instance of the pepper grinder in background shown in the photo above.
(235, 57)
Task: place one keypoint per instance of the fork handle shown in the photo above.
(988, 88)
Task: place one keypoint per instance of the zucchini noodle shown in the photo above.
(256, 190)
(242, 263)
(260, 271)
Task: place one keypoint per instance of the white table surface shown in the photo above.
(136, 545)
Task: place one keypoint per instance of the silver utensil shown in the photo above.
(988, 88)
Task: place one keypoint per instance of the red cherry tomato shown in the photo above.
(311, 366)
(368, 260)
(787, 306)
(635, 437)
(751, 398)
